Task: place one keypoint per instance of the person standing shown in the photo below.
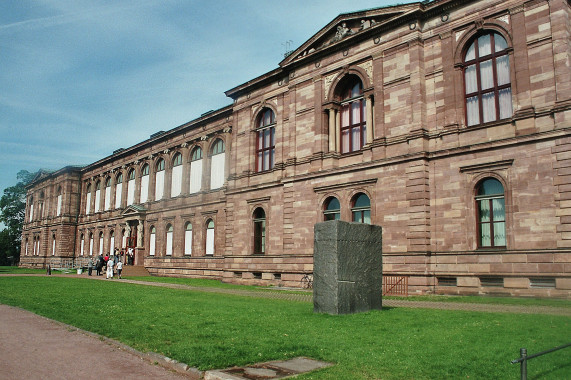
(119, 268)
(90, 266)
(110, 268)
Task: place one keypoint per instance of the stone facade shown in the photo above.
(414, 153)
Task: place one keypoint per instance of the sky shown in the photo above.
(81, 78)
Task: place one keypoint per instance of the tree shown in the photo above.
(12, 213)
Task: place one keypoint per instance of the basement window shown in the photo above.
(238, 274)
(257, 275)
(542, 282)
(446, 281)
(277, 276)
(492, 282)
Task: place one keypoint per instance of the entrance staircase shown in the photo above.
(135, 270)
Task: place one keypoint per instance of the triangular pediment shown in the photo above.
(347, 26)
(134, 210)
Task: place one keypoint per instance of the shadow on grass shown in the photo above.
(544, 374)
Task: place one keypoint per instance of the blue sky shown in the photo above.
(81, 78)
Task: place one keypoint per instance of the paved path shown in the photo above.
(34, 347)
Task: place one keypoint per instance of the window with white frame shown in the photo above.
(107, 202)
(152, 241)
(176, 180)
(196, 170)
(131, 187)
(160, 180)
(32, 209)
(118, 190)
(97, 196)
(88, 200)
(59, 201)
(82, 245)
(188, 239)
(491, 214)
(112, 242)
(101, 243)
(53, 245)
(145, 183)
(217, 159)
(487, 80)
(91, 244)
(169, 240)
(209, 237)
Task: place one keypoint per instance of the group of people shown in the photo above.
(109, 263)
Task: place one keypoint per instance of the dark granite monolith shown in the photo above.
(347, 267)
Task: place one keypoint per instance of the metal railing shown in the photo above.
(524, 358)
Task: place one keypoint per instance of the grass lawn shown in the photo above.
(208, 330)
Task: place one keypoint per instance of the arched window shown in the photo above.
(97, 195)
(265, 140)
(59, 201)
(259, 231)
(353, 123)
(101, 243)
(107, 201)
(31, 202)
(27, 243)
(491, 218)
(160, 180)
(152, 241)
(91, 244)
(332, 209)
(169, 239)
(487, 80)
(196, 170)
(131, 187)
(210, 237)
(217, 159)
(361, 209)
(112, 242)
(88, 200)
(82, 245)
(145, 183)
(176, 182)
(188, 239)
(118, 190)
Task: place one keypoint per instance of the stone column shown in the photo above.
(370, 126)
(332, 130)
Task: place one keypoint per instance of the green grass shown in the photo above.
(208, 330)
(17, 270)
(490, 300)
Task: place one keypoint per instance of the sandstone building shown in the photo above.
(446, 122)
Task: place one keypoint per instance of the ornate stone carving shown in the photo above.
(166, 151)
(204, 138)
(368, 67)
(327, 84)
(504, 18)
(459, 34)
(227, 130)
